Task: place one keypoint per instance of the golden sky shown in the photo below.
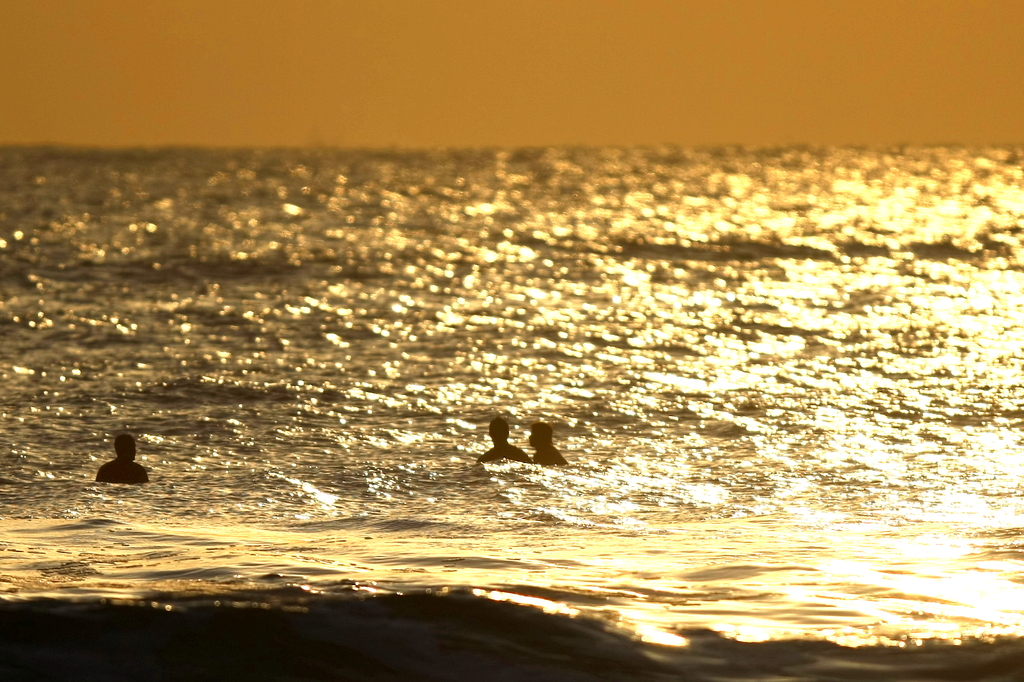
(428, 73)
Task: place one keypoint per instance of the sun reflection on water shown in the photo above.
(821, 344)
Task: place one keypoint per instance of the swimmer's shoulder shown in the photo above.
(106, 473)
(518, 454)
(113, 472)
(489, 456)
(507, 451)
(549, 457)
(139, 473)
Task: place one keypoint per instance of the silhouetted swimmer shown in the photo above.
(502, 449)
(124, 469)
(540, 439)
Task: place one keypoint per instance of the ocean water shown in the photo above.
(788, 383)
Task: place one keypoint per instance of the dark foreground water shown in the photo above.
(788, 383)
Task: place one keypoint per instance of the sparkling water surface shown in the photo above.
(788, 381)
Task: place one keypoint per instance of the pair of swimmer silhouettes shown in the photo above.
(540, 438)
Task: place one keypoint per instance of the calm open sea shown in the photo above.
(788, 382)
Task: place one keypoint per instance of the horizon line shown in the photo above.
(395, 147)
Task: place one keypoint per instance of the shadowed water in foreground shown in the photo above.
(281, 635)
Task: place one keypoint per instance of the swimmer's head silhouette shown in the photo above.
(540, 439)
(123, 469)
(540, 434)
(498, 430)
(124, 447)
(502, 448)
